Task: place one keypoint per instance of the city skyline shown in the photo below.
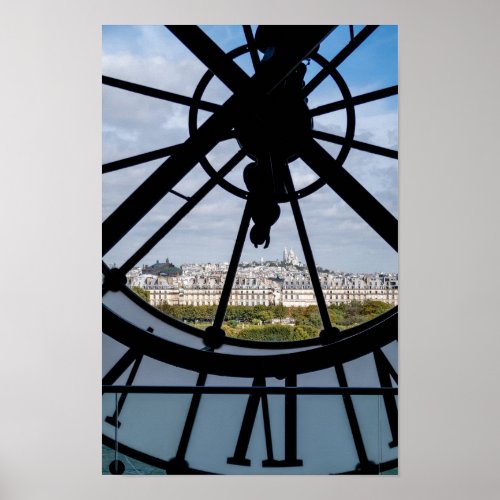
(144, 264)
(283, 282)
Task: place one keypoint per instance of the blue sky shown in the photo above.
(133, 124)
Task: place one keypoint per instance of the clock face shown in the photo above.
(192, 401)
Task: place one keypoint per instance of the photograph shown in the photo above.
(250, 249)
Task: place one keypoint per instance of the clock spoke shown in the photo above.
(252, 48)
(138, 159)
(339, 58)
(179, 195)
(159, 94)
(192, 201)
(211, 55)
(351, 32)
(362, 146)
(357, 100)
(352, 192)
(306, 248)
(231, 272)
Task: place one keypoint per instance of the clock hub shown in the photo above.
(277, 123)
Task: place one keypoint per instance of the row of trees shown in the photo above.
(254, 322)
(267, 333)
(242, 314)
(143, 294)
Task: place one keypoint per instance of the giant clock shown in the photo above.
(190, 401)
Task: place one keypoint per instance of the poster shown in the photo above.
(51, 360)
(250, 264)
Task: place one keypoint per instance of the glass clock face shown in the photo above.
(267, 117)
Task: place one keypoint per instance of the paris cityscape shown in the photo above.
(283, 281)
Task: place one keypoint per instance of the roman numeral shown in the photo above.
(365, 466)
(178, 464)
(129, 358)
(385, 372)
(247, 425)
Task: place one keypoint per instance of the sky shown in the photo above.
(134, 124)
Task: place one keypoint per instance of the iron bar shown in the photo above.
(311, 36)
(159, 94)
(359, 99)
(306, 247)
(180, 214)
(231, 74)
(339, 58)
(138, 159)
(362, 146)
(119, 368)
(179, 195)
(251, 46)
(258, 390)
(352, 192)
(162, 180)
(211, 55)
(233, 267)
(113, 420)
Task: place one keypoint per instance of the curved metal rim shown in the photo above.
(245, 365)
(317, 184)
(163, 464)
(253, 344)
